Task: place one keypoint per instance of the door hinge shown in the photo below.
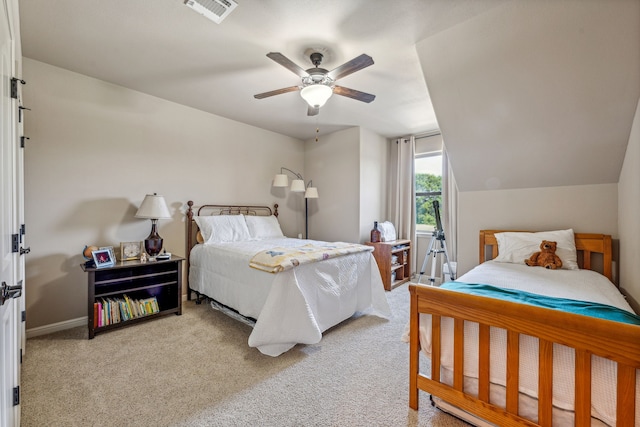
(24, 316)
(21, 356)
(20, 108)
(23, 229)
(22, 138)
(14, 86)
(16, 396)
(15, 243)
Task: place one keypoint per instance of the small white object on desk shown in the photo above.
(388, 231)
(164, 255)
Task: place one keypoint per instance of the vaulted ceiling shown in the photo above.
(527, 93)
(537, 93)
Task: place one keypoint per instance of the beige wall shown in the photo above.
(85, 176)
(332, 164)
(96, 149)
(373, 181)
(585, 208)
(349, 169)
(629, 213)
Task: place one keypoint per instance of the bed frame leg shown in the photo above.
(198, 298)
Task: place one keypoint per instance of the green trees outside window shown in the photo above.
(428, 189)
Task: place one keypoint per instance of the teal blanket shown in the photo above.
(584, 308)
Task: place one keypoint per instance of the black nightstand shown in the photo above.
(139, 282)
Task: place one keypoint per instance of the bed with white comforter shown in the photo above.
(293, 306)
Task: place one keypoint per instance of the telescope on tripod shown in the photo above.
(437, 238)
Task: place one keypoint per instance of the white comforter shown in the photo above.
(293, 306)
(582, 285)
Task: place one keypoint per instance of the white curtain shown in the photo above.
(402, 206)
(450, 206)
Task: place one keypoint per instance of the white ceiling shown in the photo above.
(528, 93)
(164, 48)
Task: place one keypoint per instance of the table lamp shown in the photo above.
(154, 208)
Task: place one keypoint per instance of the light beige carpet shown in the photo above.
(197, 370)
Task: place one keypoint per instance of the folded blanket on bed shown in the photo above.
(584, 308)
(279, 259)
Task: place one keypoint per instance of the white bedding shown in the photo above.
(293, 306)
(573, 284)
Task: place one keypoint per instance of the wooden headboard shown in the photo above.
(587, 244)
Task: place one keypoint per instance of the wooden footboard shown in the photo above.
(615, 341)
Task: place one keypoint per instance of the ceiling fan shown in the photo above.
(318, 84)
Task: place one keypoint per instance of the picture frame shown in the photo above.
(130, 251)
(103, 258)
(110, 249)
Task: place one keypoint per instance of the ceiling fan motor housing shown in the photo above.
(317, 76)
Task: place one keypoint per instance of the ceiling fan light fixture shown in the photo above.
(316, 95)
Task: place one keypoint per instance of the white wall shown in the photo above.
(585, 208)
(96, 149)
(333, 165)
(629, 213)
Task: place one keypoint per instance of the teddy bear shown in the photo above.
(546, 258)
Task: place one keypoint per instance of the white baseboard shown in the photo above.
(56, 327)
(61, 326)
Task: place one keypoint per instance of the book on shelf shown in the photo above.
(96, 311)
(115, 310)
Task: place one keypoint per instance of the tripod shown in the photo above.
(434, 251)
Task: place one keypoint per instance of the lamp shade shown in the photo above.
(316, 95)
(153, 207)
(281, 180)
(311, 193)
(297, 186)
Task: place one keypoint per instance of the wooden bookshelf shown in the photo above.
(152, 280)
(394, 261)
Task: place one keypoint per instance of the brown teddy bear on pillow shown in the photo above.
(546, 258)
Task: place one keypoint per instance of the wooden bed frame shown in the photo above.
(214, 209)
(587, 336)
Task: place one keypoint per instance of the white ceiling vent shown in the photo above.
(216, 10)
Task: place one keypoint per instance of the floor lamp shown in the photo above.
(298, 186)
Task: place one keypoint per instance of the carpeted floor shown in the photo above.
(197, 370)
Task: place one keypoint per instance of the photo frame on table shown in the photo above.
(112, 250)
(104, 258)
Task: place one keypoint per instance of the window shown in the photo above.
(428, 170)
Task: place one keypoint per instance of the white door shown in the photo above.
(9, 325)
(20, 276)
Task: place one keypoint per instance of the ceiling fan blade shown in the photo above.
(352, 66)
(277, 92)
(313, 111)
(287, 63)
(355, 94)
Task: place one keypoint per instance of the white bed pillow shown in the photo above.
(223, 228)
(515, 247)
(263, 227)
